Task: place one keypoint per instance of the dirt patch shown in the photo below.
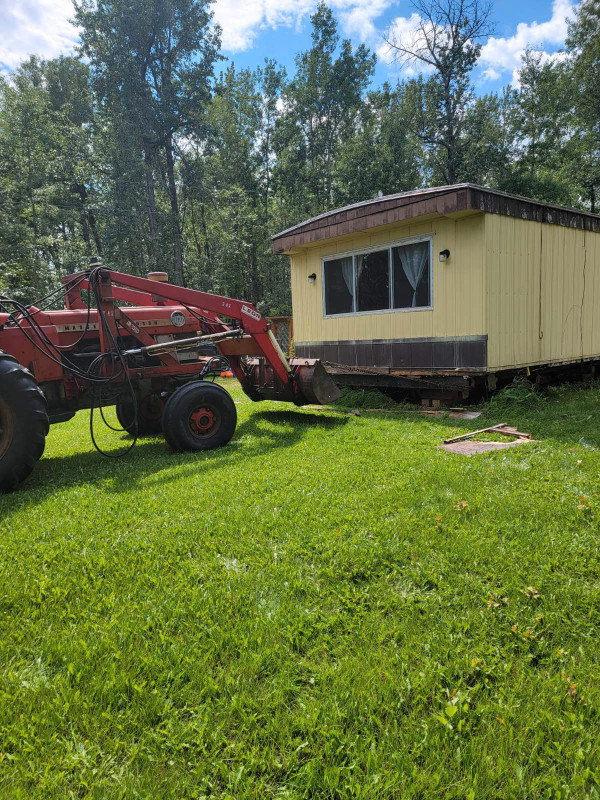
(471, 447)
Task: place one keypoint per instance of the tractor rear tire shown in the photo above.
(149, 414)
(23, 422)
(199, 416)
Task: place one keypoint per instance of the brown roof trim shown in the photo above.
(440, 200)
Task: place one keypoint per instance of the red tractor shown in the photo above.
(147, 347)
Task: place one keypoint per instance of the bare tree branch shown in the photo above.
(446, 40)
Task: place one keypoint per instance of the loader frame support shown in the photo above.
(249, 336)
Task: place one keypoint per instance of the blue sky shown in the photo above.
(255, 29)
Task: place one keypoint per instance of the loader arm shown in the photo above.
(268, 375)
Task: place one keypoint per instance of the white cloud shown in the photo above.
(407, 32)
(503, 54)
(42, 26)
(401, 31)
(242, 20)
(34, 26)
(499, 54)
(358, 18)
(491, 74)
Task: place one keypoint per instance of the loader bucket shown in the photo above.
(311, 382)
(316, 385)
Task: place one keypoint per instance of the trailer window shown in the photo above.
(394, 278)
(410, 264)
(373, 281)
(339, 286)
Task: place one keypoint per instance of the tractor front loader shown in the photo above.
(145, 346)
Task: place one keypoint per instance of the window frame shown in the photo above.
(427, 237)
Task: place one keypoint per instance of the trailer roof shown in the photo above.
(441, 200)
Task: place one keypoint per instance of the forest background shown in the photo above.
(146, 149)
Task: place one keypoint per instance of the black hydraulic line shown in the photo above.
(93, 281)
(96, 382)
(47, 345)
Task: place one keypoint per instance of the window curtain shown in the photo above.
(348, 274)
(414, 258)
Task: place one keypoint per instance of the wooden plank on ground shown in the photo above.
(474, 433)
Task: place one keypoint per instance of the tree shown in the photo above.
(488, 148)
(583, 44)
(447, 40)
(542, 114)
(46, 175)
(271, 83)
(381, 155)
(226, 192)
(152, 62)
(321, 103)
(69, 93)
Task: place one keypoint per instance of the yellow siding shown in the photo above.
(537, 309)
(458, 286)
(591, 294)
(533, 288)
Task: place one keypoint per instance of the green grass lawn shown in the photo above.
(329, 607)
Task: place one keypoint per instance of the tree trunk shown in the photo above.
(450, 135)
(55, 256)
(177, 244)
(193, 224)
(85, 231)
(268, 177)
(87, 219)
(151, 203)
(451, 168)
(255, 287)
(205, 234)
(328, 199)
(94, 229)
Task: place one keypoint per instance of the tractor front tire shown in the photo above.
(149, 414)
(23, 422)
(199, 416)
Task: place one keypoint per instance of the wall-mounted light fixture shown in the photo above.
(312, 278)
(444, 255)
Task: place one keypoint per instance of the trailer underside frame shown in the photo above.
(450, 387)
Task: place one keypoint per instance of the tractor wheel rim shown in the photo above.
(204, 420)
(6, 427)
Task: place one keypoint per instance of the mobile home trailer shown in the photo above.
(448, 289)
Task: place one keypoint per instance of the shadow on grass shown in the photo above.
(262, 433)
(568, 418)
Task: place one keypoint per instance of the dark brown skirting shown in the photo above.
(461, 352)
